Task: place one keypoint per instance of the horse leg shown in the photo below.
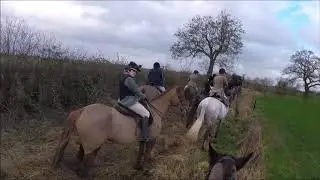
(206, 137)
(86, 162)
(138, 164)
(149, 147)
(80, 153)
(216, 130)
(191, 114)
(237, 107)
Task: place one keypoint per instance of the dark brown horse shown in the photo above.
(224, 166)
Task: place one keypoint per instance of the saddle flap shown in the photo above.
(126, 111)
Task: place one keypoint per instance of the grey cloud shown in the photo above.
(155, 22)
(158, 30)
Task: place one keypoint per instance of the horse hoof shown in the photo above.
(150, 159)
(55, 166)
(82, 173)
(138, 167)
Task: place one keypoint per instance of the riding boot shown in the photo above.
(144, 125)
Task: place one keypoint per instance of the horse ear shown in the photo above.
(213, 155)
(240, 162)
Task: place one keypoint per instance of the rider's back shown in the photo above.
(219, 82)
(193, 80)
(155, 76)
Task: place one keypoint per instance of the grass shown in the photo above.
(291, 137)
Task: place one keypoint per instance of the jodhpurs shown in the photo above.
(140, 109)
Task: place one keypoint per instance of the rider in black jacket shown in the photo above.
(156, 78)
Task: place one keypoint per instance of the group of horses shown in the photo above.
(97, 123)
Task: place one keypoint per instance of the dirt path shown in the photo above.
(28, 158)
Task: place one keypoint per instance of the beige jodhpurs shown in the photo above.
(140, 109)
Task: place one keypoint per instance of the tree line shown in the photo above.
(217, 39)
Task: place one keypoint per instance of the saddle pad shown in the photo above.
(220, 99)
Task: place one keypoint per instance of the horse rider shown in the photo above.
(208, 85)
(193, 80)
(131, 97)
(219, 84)
(156, 78)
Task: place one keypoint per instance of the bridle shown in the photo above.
(226, 157)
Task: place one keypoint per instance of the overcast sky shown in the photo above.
(143, 30)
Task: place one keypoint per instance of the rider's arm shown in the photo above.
(225, 82)
(131, 84)
(149, 75)
(162, 77)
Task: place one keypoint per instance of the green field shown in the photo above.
(291, 136)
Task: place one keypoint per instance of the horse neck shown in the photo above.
(163, 102)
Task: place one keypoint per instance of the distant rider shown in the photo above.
(219, 84)
(156, 78)
(193, 80)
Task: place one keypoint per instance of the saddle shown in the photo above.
(221, 99)
(153, 85)
(128, 112)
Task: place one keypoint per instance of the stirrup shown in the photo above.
(145, 140)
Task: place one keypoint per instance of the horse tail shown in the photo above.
(65, 136)
(193, 132)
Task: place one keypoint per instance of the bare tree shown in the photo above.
(122, 60)
(210, 37)
(17, 37)
(304, 66)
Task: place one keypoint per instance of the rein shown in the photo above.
(152, 106)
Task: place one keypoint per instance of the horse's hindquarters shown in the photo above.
(93, 126)
(124, 128)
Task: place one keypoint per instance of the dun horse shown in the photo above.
(97, 123)
(224, 166)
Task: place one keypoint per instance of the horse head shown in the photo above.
(224, 166)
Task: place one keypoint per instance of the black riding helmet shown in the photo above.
(156, 65)
(222, 71)
(195, 72)
(134, 66)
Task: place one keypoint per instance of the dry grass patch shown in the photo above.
(26, 154)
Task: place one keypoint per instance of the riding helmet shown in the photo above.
(134, 66)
